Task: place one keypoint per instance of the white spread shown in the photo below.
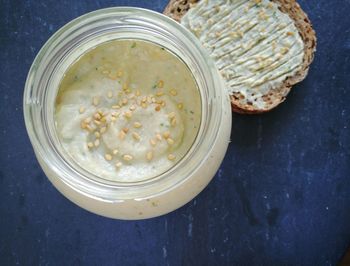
(128, 110)
(255, 45)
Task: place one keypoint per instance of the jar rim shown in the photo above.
(34, 99)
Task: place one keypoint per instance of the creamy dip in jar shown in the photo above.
(127, 114)
(128, 110)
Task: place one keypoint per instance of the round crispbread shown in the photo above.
(176, 9)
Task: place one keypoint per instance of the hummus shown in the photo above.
(128, 110)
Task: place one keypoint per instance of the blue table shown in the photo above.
(281, 197)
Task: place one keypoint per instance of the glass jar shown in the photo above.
(131, 200)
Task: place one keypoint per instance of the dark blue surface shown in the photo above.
(282, 195)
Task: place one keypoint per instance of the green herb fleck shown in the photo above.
(161, 124)
(154, 86)
(133, 45)
(162, 48)
(191, 112)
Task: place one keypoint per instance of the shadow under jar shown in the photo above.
(118, 195)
